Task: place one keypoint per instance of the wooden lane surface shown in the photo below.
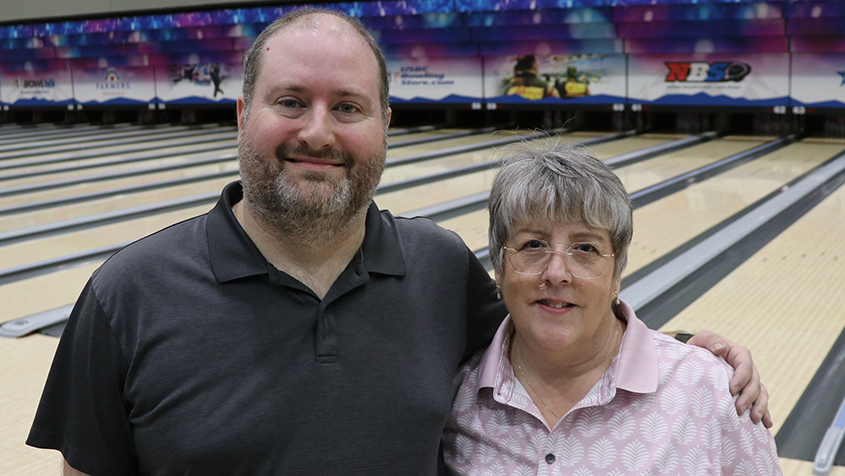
(75, 150)
(796, 467)
(422, 135)
(629, 144)
(786, 303)
(635, 177)
(473, 226)
(98, 186)
(662, 226)
(107, 204)
(185, 154)
(26, 362)
(402, 172)
(39, 249)
(403, 201)
(132, 181)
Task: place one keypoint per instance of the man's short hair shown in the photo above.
(252, 60)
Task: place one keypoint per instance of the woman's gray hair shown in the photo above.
(551, 180)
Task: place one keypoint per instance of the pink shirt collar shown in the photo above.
(635, 365)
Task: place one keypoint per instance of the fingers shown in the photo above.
(750, 395)
(760, 410)
(746, 378)
(767, 420)
(711, 341)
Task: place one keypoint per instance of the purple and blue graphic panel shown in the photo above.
(114, 86)
(542, 47)
(430, 35)
(37, 88)
(814, 27)
(697, 12)
(34, 65)
(199, 83)
(406, 22)
(823, 9)
(435, 80)
(429, 50)
(818, 80)
(768, 27)
(728, 44)
(572, 31)
(818, 43)
(555, 79)
(741, 80)
(532, 17)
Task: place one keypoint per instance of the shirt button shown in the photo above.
(550, 458)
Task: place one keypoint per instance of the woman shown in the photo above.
(573, 382)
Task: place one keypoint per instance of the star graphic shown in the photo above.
(842, 73)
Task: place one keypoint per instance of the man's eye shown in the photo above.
(347, 108)
(289, 103)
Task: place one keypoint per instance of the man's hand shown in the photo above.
(746, 379)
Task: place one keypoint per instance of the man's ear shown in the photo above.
(241, 108)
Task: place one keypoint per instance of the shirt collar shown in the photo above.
(636, 369)
(233, 255)
(635, 366)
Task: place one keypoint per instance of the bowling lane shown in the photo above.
(78, 154)
(25, 137)
(784, 303)
(636, 177)
(190, 151)
(623, 146)
(26, 362)
(402, 172)
(40, 249)
(155, 138)
(661, 226)
(109, 204)
(184, 154)
(403, 201)
(91, 187)
(54, 139)
(115, 203)
(472, 227)
(422, 135)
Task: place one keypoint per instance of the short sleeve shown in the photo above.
(485, 311)
(83, 413)
(747, 448)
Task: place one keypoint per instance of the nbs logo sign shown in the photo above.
(701, 72)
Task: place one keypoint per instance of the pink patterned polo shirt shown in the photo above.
(662, 408)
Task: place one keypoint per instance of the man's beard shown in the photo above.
(322, 209)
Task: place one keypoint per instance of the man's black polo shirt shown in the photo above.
(188, 354)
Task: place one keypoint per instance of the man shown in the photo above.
(294, 329)
(526, 83)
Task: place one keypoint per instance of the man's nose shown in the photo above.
(317, 129)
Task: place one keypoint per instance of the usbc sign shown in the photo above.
(700, 72)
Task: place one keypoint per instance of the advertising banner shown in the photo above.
(760, 80)
(555, 79)
(818, 80)
(435, 80)
(37, 88)
(199, 83)
(114, 86)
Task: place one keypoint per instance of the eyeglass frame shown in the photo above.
(550, 252)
